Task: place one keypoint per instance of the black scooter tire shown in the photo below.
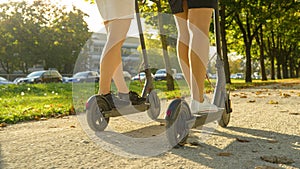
(95, 119)
(177, 128)
(225, 118)
(154, 101)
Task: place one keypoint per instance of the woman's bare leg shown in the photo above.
(183, 41)
(199, 22)
(111, 61)
(119, 80)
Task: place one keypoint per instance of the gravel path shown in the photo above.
(264, 132)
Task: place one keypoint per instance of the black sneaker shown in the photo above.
(133, 97)
(116, 102)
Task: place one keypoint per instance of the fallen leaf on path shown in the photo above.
(243, 96)
(85, 142)
(277, 159)
(296, 114)
(3, 125)
(251, 101)
(258, 92)
(284, 111)
(272, 141)
(242, 140)
(53, 127)
(273, 102)
(285, 95)
(72, 126)
(43, 118)
(234, 95)
(224, 154)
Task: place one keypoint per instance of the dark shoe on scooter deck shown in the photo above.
(132, 97)
(116, 102)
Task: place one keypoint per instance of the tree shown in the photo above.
(40, 33)
(223, 26)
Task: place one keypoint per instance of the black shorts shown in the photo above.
(176, 5)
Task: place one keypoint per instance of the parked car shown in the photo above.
(43, 76)
(85, 76)
(256, 75)
(16, 80)
(179, 76)
(161, 74)
(140, 76)
(4, 81)
(212, 76)
(237, 76)
(127, 76)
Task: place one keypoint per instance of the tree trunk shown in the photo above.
(292, 70)
(298, 70)
(272, 60)
(278, 65)
(248, 63)
(285, 67)
(170, 80)
(259, 40)
(224, 44)
(284, 55)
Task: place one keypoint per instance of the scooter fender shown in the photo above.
(172, 112)
(94, 100)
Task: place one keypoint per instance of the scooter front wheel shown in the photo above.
(94, 109)
(178, 118)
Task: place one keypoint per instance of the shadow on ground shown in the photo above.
(244, 151)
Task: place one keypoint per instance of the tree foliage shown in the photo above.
(40, 33)
(264, 31)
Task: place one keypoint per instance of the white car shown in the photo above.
(161, 74)
(140, 76)
(127, 75)
(4, 81)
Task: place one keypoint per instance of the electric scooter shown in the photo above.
(99, 110)
(179, 119)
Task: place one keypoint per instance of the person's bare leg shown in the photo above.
(111, 57)
(183, 42)
(199, 22)
(119, 80)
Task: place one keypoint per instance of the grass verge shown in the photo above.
(37, 101)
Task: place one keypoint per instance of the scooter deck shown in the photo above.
(200, 119)
(131, 109)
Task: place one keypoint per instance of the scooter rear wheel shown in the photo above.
(225, 118)
(154, 110)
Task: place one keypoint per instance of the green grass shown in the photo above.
(35, 101)
(32, 102)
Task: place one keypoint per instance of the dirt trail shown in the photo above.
(264, 128)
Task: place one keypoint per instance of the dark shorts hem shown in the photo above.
(176, 5)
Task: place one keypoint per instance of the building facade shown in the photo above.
(91, 54)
